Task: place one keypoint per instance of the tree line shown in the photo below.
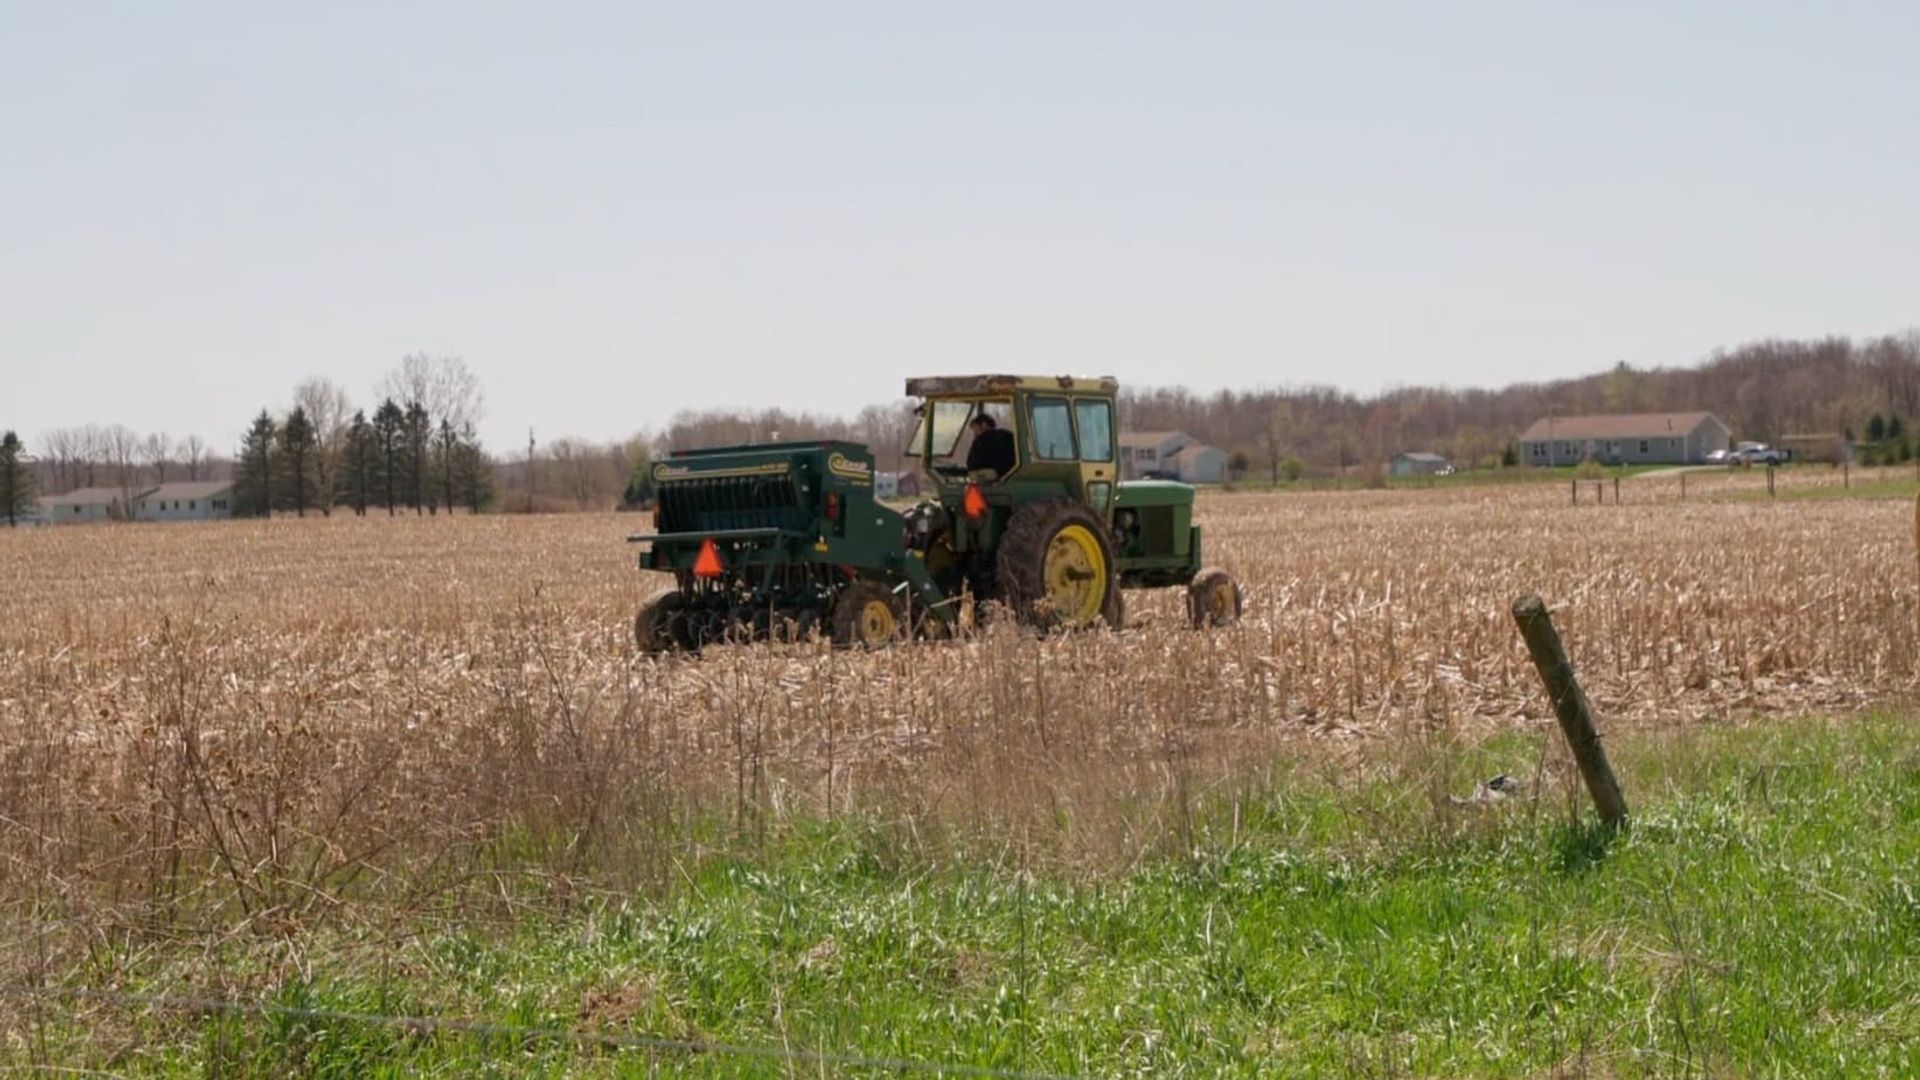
(419, 450)
(1764, 391)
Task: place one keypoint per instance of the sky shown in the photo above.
(617, 211)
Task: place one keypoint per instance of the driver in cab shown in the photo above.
(992, 447)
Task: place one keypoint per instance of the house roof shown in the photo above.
(191, 489)
(91, 496)
(1194, 447)
(1421, 455)
(1150, 438)
(1618, 426)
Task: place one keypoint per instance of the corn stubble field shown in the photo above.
(226, 731)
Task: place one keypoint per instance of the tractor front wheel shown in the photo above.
(1056, 567)
(1213, 599)
(661, 625)
(867, 615)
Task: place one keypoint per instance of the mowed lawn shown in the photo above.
(1761, 917)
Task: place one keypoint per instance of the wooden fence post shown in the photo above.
(1769, 481)
(1683, 487)
(1846, 476)
(1570, 707)
(1576, 493)
(1616, 491)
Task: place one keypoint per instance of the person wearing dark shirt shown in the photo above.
(992, 447)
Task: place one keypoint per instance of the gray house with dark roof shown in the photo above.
(1624, 439)
(83, 505)
(192, 500)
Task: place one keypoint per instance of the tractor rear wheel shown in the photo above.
(867, 615)
(1213, 599)
(660, 626)
(1056, 567)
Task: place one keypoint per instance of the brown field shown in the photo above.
(284, 723)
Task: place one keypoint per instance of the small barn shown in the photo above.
(1197, 463)
(1418, 463)
(1827, 449)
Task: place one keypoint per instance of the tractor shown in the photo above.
(786, 540)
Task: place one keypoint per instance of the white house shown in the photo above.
(86, 504)
(191, 500)
(1173, 455)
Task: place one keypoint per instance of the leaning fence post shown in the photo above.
(1570, 706)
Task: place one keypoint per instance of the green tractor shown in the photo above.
(784, 540)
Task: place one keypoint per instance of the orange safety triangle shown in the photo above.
(975, 503)
(707, 563)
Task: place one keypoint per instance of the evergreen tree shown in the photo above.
(446, 463)
(1876, 429)
(475, 473)
(359, 460)
(389, 440)
(417, 426)
(1896, 430)
(16, 480)
(296, 446)
(253, 473)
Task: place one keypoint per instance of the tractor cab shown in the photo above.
(1061, 429)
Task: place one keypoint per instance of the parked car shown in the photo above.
(1757, 454)
(1720, 457)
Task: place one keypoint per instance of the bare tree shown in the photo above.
(443, 385)
(63, 451)
(193, 454)
(92, 450)
(122, 449)
(327, 409)
(156, 452)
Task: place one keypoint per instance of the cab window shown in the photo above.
(1052, 428)
(1095, 419)
(948, 420)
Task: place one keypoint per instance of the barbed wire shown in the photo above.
(440, 1024)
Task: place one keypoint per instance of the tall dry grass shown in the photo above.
(268, 726)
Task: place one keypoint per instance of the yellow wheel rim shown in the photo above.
(876, 623)
(1076, 575)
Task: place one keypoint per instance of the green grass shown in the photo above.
(1761, 917)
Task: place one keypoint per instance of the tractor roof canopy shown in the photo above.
(974, 386)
